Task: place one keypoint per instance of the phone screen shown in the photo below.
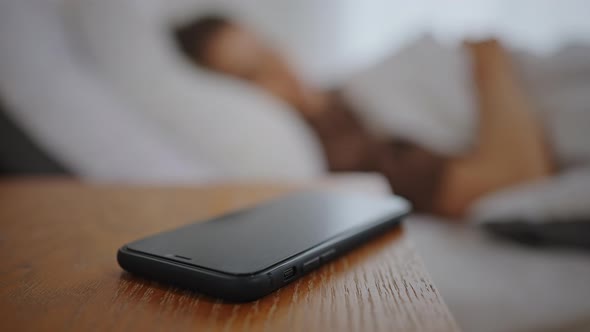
(252, 240)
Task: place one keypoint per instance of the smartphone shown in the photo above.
(247, 254)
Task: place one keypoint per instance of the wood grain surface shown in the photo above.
(58, 241)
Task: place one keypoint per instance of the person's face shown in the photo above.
(237, 52)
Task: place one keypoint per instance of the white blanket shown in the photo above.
(424, 93)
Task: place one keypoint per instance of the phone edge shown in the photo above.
(244, 288)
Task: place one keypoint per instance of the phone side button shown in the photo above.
(311, 264)
(328, 255)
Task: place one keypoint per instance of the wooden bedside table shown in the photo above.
(59, 240)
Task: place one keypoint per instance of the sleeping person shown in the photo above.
(511, 146)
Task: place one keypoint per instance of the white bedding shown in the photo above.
(492, 285)
(241, 130)
(73, 114)
(424, 93)
(100, 86)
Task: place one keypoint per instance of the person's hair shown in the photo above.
(194, 37)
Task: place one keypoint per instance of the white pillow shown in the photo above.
(70, 113)
(241, 130)
(563, 197)
(423, 93)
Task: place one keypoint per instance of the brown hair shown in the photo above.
(194, 37)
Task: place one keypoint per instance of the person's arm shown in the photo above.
(510, 147)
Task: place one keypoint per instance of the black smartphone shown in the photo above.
(247, 254)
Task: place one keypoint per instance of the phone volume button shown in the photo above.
(311, 264)
(328, 255)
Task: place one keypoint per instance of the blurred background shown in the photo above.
(100, 90)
